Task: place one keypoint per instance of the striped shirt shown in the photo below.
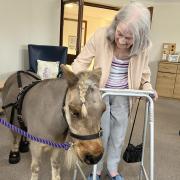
(118, 77)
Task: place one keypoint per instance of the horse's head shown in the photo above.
(83, 109)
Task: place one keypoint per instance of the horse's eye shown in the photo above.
(91, 89)
(75, 114)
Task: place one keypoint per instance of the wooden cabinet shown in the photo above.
(168, 80)
(178, 70)
(165, 84)
(167, 67)
(177, 87)
(1, 86)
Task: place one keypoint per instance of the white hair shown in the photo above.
(70, 158)
(137, 18)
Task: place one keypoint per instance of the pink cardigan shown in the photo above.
(99, 49)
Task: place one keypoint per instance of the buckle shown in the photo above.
(19, 116)
(69, 146)
(100, 133)
(20, 89)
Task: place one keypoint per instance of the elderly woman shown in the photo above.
(122, 52)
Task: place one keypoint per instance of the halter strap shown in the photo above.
(87, 137)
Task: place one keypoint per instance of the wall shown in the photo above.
(37, 21)
(23, 22)
(165, 28)
(96, 18)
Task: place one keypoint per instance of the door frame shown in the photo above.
(81, 4)
(79, 26)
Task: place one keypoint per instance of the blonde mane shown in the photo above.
(83, 87)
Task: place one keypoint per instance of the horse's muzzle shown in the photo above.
(90, 159)
(89, 152)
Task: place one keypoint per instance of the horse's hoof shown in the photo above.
(14, 157)
(24, 146)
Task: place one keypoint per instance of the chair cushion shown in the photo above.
(47, 69)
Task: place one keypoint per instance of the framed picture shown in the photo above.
(168, 49)
(70, 34)
(72, 42)
(173, 57)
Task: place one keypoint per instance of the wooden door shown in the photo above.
(71, 27)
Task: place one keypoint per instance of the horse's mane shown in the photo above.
(84, 83)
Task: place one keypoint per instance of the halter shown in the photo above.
(87, 137)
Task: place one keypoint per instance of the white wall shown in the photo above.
(37, 21)
(165, 26)
(165, 29)
(23, 22)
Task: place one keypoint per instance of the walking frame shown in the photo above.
(149, 120)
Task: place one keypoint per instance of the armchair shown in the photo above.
(45, 53)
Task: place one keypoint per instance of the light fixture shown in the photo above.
(70, 5)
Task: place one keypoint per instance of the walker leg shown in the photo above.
(75, 173)
(151, 124)
(144, 139)
(94, 171)
(80, 170)
(141, 173)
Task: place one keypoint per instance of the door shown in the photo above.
(71, 27)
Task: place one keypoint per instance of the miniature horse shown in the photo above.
(54, 107)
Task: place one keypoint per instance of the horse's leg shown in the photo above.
(36, 152)
(24, 145)
(55, 164)
(14, 155)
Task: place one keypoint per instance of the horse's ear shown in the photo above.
(97, 72)
(69, 75)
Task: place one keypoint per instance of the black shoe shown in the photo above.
(14, 157)
(23, 145)
(90, 177)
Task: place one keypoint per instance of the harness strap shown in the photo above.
(8, 105)
(32, 75)
(19, 80)
(20, 97)
(12, 114)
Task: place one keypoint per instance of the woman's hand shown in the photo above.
(155, 97)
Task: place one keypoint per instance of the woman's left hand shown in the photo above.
(155, 95)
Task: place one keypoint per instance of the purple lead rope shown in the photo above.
(66, 146)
